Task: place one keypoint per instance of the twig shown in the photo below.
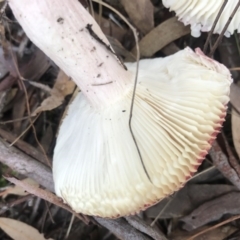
(17, 138)
(213, 26)
(23, 146)
(224, 30)
(91, 8)
(13, 120)
(3, 8)
(100, 12)
(162, 210)
(7, 206)
(69, 227)
(214, 227)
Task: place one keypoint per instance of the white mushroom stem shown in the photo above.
(58, 28)
(201, 14)
(180, 105)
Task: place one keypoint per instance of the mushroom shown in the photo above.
(202, 14)
(179, 107)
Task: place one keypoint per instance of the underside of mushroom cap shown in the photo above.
(179, 108)
(202, 14)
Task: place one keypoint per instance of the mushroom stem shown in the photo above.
(67, 33)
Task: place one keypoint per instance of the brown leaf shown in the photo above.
(160, 36)
(170, 49)
(141, 13)
(236, 130)
(63, 84)
(19, 230)
(120, 50)
(213, 210)
(17, 190)
(187, 200)
(63, 87)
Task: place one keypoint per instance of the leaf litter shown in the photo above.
(205, 201)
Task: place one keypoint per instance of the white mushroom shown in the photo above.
(201, 14)
(179, 108)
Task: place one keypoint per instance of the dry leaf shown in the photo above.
(170, 49)
(160, 36)
(120, 50)
(63, 87)
(16, 190)
(19, 230)
(141, 13)
(212, 210)
(186, 200)
(236, 130)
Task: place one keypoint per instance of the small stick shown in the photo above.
(213, 26)
(224, 29)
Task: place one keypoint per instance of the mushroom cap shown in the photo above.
(202, 14)
(180, 104)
